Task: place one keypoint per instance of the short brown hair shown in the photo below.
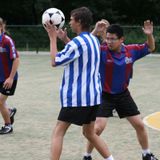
(84, 16)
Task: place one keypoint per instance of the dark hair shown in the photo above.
(84, 16)
(3, 25)
(115, 29)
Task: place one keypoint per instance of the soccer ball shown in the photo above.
(54, 16)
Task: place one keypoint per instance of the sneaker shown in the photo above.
(12, 113)
(6, 129)
(149, 156)
(87, 158)
(114, 113)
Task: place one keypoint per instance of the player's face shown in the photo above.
(113, 42)
(74, 25)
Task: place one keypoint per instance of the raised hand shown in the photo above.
(148, 27)
(51, 29)
(62, 35)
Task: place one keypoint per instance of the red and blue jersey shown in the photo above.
(116, 68)
(7, 54)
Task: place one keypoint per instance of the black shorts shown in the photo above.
(8, 92)
(123, 103)
(78, 115)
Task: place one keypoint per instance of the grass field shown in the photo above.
(37, 101)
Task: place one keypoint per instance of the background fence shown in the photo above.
(34, 37)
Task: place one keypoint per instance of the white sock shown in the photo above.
(145, 151)
(87, 154)
(109, 158)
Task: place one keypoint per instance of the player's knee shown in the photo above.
(1, 103)
(87, 134)
(140, 126)
(99, 129)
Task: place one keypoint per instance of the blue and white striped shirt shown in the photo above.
(81, 84)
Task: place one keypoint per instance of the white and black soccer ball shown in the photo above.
(54, 16)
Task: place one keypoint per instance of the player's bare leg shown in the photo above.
(57, 139)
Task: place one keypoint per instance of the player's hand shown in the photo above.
(62, 34)
(101, 26)
(8, 83)
(148, 27)
(51, 29)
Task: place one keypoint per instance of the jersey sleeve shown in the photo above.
(139, 50)
(71, 52)
(12, 49)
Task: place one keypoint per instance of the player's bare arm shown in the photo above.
(9, 81)
(148, 30)
(52, 33)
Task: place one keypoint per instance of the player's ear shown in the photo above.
(122, 39)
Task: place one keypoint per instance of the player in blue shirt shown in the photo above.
(9, 62)
(116, 69)
(81, 87)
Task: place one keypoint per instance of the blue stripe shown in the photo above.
(2, 77)
(79, 80)
(63, 52)
(61, 92)
(118, 77)
(70, 57)
(95, 63)
(69, 92)
(88, 70)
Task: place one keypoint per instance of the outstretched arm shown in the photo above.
(148, 30)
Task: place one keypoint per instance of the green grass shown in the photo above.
(37, 101)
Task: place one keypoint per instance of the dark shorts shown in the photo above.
(123, 103)
(78, 115)
(8, 92)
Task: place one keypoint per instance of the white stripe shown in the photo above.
(74, 85)
(73, 48)
(91, 87)
(2, 50)
(65, 87)
(84, 71)
(97, 69)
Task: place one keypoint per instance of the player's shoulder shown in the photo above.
(7, 38)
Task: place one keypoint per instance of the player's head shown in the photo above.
(81, 18)
(2, 25)
(114, 37)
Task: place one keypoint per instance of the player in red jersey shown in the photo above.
(9, 62)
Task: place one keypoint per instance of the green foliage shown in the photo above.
(123, 12)
(36, 38)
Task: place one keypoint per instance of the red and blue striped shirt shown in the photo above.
(116, 68)
(7, 54)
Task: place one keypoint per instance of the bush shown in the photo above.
(34, 37)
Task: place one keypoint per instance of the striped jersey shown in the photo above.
(81, 85)
(7, 54)
(116, 68)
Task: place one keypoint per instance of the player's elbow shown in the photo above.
(53, 64)
(152, 49)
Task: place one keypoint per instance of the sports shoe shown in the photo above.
(149, 156)
(87, 158)
(12, 113)
(6, 129)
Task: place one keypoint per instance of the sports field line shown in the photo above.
(153, 121)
